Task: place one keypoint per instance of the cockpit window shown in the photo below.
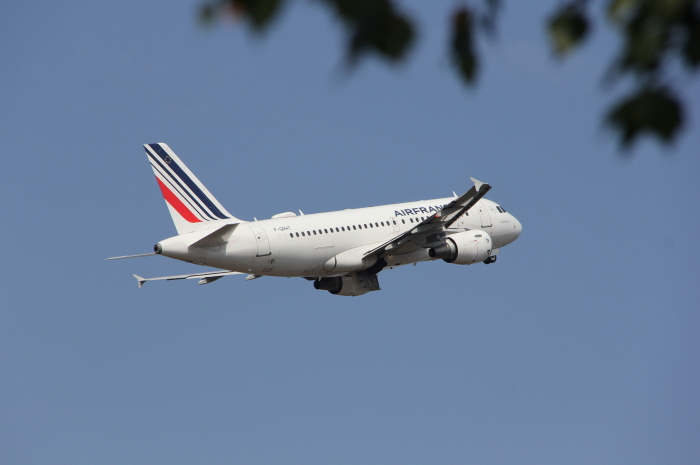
(503, 210)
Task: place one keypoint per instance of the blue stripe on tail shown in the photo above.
(184, 192)
(187, 180)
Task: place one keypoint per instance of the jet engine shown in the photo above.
(464, 248)
(349, 283)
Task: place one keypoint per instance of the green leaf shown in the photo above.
(375, 26)
(620, 10)
(390, 35)
(462, 45)
(691, 47)
(258, 12)
(652, 110)
(567, 28)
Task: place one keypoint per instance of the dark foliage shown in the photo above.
(567, 27)
(656, 35)
(374, 26)
(653, 110)
(463, 55)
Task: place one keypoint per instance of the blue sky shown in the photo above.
(578, 346)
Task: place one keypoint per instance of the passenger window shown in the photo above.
(343, 228)
(327, 230)
(336, 230)
(403, 221)
(382, 223)
(302, 233)
(376, 224)
(297, 234)
(308, 233)
(394, 222)
(411, 220)
(353, 227)
(291, 235)
(365, 226)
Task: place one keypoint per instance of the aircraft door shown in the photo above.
(262, 240)
(485, 216)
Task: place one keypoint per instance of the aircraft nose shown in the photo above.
(518, 228)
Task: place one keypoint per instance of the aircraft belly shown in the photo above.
(294, 260)
(408, 258)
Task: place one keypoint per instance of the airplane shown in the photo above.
(341, 252)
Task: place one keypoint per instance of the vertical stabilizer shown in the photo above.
(189, 202)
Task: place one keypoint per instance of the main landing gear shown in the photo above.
(490, 260)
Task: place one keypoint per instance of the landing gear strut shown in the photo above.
(490, 260)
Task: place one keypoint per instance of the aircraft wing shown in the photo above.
(437, 223)
(205, 278)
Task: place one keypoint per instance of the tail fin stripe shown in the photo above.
(167, 177)
(189, 202)
(176, 204)
(182, 175)
(180, 187)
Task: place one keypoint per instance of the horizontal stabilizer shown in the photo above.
(130, 256)
(140, 280)
(203, 277)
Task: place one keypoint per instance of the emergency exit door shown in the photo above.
(485, 215)
(262, 240)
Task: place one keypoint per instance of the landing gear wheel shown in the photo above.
(490, 260)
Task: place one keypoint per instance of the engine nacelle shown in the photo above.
(332, 285)
(349, 284)
(464, 248)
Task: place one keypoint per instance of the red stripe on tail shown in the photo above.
(176, 204)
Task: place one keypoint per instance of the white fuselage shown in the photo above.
(301, 245)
